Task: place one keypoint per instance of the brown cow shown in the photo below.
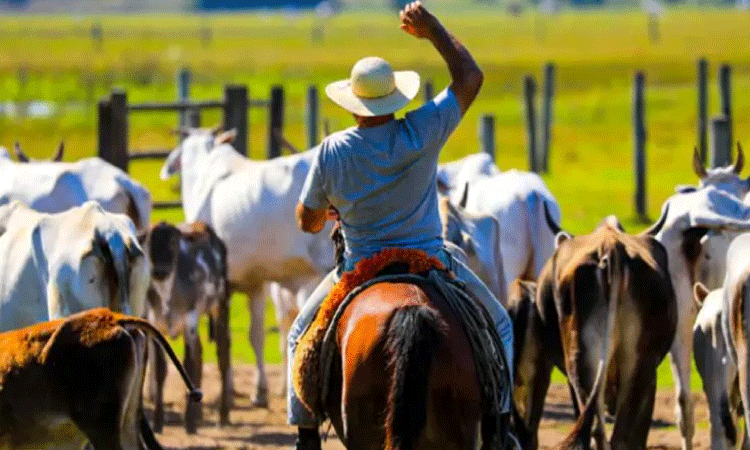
(78, 379)
(606, 312)
(188, 279)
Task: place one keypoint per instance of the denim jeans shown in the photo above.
(296, 411)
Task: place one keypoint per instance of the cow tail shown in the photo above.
(580, 436)
(194, 394)
(147, 434)
(413, 335)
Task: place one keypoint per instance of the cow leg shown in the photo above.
(221, 335)
(193, 363)
(635, 405)
(158, 377)
(680, 361)
(713, 373)
(257, 341)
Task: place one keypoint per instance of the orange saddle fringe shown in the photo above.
(306, 379)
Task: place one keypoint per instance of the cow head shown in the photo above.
(723, 178)
(188, 273)
(478, 235)
(196, 145)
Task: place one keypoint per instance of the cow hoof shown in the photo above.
(261, 398)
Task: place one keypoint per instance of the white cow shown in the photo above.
(517, 200)
(685, 221)
(54, 265)
(478, 238)
(454, 175)
(51, 186)
(708, 261)
(250, 205)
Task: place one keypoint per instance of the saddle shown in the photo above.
(310, 374)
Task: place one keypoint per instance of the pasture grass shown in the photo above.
(596, 55)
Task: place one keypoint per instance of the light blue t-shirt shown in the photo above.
(382, 180)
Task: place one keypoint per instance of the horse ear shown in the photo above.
(464, 196)
(698, 167)
(20, 155)
(226, 137)
(740, 159)
(58, 156)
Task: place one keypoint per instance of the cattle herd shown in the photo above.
(86, 281)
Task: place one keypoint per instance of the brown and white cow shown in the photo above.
(606, 313)
(70, 381)
(188, 279)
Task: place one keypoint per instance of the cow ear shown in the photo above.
(227, 137)
(560, 238)
(700, 292)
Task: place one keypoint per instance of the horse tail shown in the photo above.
(414, 333)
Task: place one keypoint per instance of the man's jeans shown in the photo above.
(296, 411)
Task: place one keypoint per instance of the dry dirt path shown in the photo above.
(254, 428)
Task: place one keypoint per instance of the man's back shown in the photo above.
(382, 179)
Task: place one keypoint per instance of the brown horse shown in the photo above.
(404, 376)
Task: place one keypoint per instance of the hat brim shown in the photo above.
(407, 86)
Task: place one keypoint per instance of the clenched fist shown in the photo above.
(417, 21)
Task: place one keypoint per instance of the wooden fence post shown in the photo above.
(275, 121)
(104, 130)
(639, 160)
(549, 92)
(725, 87)
(119, 143)
(235, 116)
(529, 89)
(487, 134)
(429, 91)
(311, 115)
(721, 141)
(183, 92)
(703, 109)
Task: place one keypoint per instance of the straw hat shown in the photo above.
(374, 89)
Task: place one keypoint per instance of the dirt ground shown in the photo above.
(254, 428)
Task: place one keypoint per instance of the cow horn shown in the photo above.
(182, 131)
(217, 129)
(740, 159)
(655, 228)
(58, 156)
(464, 196)
(698, 164)
(285, 142)
(20, 155)
(553, 226)
(326, 127)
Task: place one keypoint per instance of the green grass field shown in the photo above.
(596, 54)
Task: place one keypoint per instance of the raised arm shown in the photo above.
(466, 76)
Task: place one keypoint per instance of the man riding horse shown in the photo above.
(379, 179)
